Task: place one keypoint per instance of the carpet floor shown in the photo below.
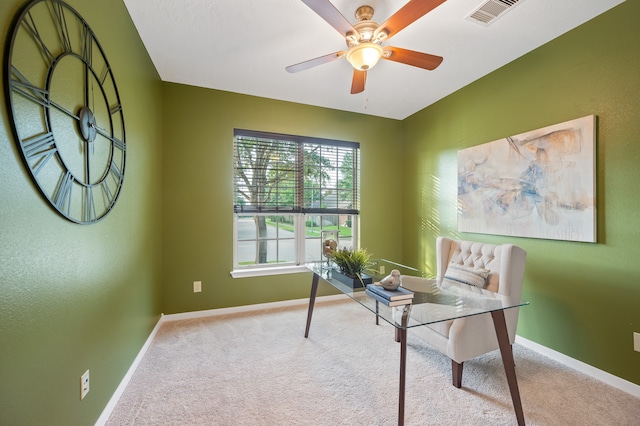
(258, 369)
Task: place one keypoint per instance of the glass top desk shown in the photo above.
(430, 305)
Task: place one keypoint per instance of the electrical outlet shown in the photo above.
(382, 269)
(84, 384)
(197, 286)
(636, 342)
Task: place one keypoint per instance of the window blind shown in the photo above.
(284, 173)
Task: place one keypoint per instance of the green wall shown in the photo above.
(198, 185)
(76, 297)
(585, 298)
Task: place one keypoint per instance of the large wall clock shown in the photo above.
(66, 114)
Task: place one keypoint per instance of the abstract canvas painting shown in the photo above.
(538, 184)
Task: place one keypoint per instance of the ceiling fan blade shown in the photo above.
(315, 62)
(411, 57)
(358, 81)
(410, 12)
(329, 13)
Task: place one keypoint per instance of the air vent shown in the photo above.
(490, 10)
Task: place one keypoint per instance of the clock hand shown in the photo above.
(116, 142)
(88, 162)
(63, 109)
(99, 129)
(86, 85)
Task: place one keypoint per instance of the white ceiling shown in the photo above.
(243, 46)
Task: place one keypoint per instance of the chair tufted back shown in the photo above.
(465, 338)
(505, 261)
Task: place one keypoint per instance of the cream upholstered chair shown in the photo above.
(465, 338)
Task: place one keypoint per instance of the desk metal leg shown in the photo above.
(403, 367)
(507, 359)
(401, 336)
(312, 302)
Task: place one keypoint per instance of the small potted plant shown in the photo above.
(351, 266)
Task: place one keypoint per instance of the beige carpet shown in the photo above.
(258, 369)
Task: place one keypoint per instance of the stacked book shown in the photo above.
(398, 297)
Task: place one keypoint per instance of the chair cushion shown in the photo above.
(476, 277)
(441, 327)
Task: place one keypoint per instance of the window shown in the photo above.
(290, 192)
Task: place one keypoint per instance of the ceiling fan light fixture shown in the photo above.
(364, 56)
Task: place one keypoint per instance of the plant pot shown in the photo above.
(353, 282)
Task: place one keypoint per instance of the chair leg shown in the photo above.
(456, 370)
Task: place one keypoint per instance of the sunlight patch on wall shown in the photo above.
(447, 196)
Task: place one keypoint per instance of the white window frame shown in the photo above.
(290, 267)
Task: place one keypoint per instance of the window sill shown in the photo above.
(263, 272)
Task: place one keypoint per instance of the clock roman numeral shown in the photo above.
(60, 22)
(117, 143)
(87, 45)
(106, 73)
(62, 195)
(115, 109)
(22, 86)
(115, 172)
(107, 191)
(32, 29)
(89, 211)
(38, 150)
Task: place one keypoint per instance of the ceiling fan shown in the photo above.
(364, 39)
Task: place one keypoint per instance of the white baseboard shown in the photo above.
(603, 376)
(251, 308)
(102, 420)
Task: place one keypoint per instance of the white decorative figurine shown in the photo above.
(391, 281)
